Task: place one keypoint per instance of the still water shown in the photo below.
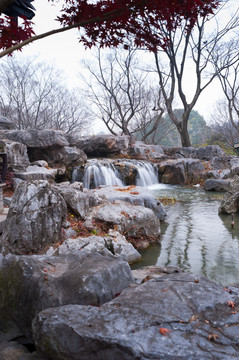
(194, 237)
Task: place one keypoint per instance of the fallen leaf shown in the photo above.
(164, 331)
(213, 337)
(231, 304)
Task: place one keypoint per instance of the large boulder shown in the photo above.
(78, 200)
(35, 172)
(205, 153)
(130, 220)
(34, 219)
(112, 243)
(134, 195)
(17, 157)
(101, 145)
(176, 317)
(230, 202)
(6, 124)
(31, 283)
(180, 171)
(34, 138)
(217, 185)
(58, 156)
(140, 150)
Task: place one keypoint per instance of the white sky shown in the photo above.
(66, 53)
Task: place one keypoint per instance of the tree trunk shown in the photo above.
(183, 131)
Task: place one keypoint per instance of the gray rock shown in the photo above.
(216, 185)
(77, 200)
(35, 172)
(221, 162)
(230, 202)
(196, 315)
(181, 171)
(135, 195)
(234, 165)
(12, 350)
(17, 157)
(34, 218)
(132, 220)
(140, 150)
(101, 145)
(114, 243)
(58, 156)
(6, 124)
(34, 138)
(204, 153)
(29, 284)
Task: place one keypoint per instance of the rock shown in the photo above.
(17, 157)
(230, 202)
(140, 150)
(172, 172)
(12, 350)
(101, 145)
(234, 165)
(180, 171)
(216, 185)
(35, 172)
(114, 243)
(57, 156)
(153, 272)
(220, 162)
(77, 200)
(204, 153)
(130, 220)
(6, 124)
(29, 284)
(135, 195)
(34, 138)
(34, 219)
(175, 317)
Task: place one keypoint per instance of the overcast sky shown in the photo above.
(66, 53)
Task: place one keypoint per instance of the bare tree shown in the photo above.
(228, 108)
(121, 96)
(188, 48)
(33, 95)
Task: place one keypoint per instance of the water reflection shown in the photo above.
(195, 237)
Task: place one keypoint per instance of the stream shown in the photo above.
(194, 237)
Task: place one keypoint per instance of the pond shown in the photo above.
(194, 237)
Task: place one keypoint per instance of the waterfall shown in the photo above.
(97, 174)
(147, 175)
(111, 172)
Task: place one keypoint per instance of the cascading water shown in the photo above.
(146, 175)
(97, 173)
(111, 172)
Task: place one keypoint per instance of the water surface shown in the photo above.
(194, 237)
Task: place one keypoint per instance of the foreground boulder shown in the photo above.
(230, 202)
(175, 317)
(131, 220)
(217, 185)
(34, 219)
(134, 195)
(31, 283)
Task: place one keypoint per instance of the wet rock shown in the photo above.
(180, 171)
(34, 219)
(29, 284)
(217, 185)
(174, 317)
(140, 150)
(135, 195)
(101, 145)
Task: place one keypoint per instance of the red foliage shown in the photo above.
(114, 22)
